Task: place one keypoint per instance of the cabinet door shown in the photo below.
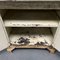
(4, 43)
(56, 41)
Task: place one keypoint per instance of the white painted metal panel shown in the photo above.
(4, 43)
(30, 23)
(56, 41)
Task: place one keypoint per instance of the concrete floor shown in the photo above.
(29, 54)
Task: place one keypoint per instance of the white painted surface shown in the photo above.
(56, 41)
(31, 23)
(3, 36)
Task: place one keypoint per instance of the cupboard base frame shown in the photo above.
(49, 48)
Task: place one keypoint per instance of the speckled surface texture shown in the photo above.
(29, 4)
(29, 54)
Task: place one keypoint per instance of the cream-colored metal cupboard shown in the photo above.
(13, 21)
(32, 23)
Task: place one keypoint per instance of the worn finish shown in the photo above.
(30, 5)
(20, 4)
(12, 47)
(31, 18)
